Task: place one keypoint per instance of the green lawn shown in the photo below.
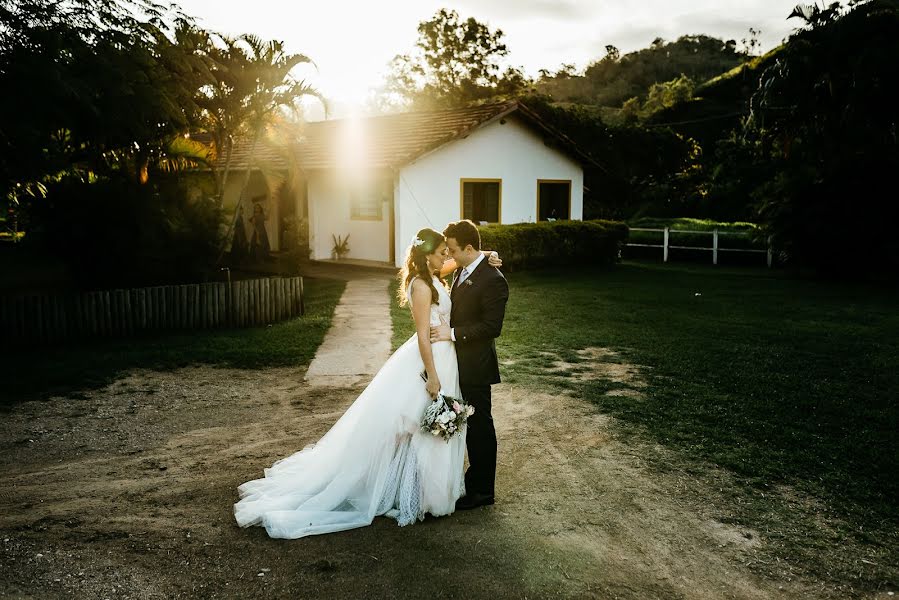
(35, 373)
(777, 380)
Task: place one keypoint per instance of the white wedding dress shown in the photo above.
(375, 460)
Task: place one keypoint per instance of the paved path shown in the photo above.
(358, 343)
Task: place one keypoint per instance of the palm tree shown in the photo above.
(252, 84)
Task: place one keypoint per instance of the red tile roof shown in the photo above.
(395, 140)
(268, 154)
(389, 141)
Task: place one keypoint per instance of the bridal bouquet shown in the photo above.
(445, 416)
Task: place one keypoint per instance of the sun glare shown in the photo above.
(351, 147)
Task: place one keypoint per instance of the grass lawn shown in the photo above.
(782, 382)
(29, 373)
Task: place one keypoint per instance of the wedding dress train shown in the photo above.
(375, 460)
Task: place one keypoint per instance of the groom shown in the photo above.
(479, 296)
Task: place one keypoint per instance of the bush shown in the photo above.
(529, 245)
(119, 233)
(295, 243)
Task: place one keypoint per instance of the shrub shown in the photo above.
(295, 243)
(120, 233)
(528, 245)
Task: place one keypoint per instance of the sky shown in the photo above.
(353, 41)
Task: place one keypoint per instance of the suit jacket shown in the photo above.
(479, 306)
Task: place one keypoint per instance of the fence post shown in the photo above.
(302, 299)
(665, 247)
(715, 246)
(770, 252)
(266, 300)
(237, 302)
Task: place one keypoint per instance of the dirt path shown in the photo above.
(358, 342)
(126, 492)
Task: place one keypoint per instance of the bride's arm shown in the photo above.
(448, 267)
(421, 312)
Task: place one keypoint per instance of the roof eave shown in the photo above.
(461, 134)
(573, 149)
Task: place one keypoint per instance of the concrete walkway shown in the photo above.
(358, 343)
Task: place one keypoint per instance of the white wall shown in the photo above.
(429, 187)
(330, 214)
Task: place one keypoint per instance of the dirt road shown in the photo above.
(126, 492)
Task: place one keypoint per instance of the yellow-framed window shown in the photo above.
(367, 202)
(481, 200)
(553, 199)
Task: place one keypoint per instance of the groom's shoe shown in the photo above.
(469, 501)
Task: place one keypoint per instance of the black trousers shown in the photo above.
(481, 442)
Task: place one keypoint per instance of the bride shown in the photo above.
(376, 460)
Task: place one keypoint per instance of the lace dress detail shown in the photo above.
(375, 460)
(402, 493)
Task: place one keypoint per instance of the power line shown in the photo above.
(420, 207)
(703, 120)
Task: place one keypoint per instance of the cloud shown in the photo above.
(503, 10)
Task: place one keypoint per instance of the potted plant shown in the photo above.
(341, 246)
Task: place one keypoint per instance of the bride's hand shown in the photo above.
(493, 259)
(433, 387)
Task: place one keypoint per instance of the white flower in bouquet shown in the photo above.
(445, 416)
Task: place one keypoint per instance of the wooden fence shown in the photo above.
(120, 313)
(714, 249)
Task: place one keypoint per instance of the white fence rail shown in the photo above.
(715, 249)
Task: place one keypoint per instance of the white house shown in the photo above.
(381, 179)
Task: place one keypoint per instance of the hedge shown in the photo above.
(529, 245)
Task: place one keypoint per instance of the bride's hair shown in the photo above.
(416, 264)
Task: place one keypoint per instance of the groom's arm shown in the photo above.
(493, 311)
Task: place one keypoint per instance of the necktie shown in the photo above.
(463, 275)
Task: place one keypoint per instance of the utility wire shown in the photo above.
(703, 120)
(420, 207)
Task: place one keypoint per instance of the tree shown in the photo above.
(101, 91)
(454, 62)
(823, 128)
(251, 82)
(615, 78)
(106, 92)
(750, 44)
(636, 166)
(660, 97)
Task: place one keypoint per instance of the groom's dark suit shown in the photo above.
(479, 306)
